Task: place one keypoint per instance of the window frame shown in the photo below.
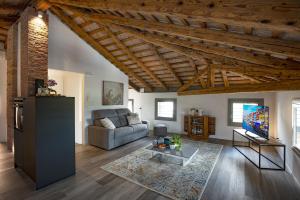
(294, 123)
(231, 101)
(132, 104)
(174, 100)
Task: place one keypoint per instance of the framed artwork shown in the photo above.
(113, 93)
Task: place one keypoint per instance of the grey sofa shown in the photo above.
(111, 138)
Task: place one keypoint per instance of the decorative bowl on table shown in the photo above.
(162, 146)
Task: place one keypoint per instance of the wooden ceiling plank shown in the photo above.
(165, 63)
(266, 45)
(91, 41)
(270, 86)
(256, 14)
(134, 58)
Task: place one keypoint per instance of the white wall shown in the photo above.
(69, 53)
(285, 129)
(214, 105)
(3, 68)
(71, 84)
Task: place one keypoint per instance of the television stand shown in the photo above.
(260, 144)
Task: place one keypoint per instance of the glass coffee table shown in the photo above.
(185, 154)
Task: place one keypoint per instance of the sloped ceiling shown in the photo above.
(193, 47)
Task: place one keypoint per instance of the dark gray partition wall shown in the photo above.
(49, 139)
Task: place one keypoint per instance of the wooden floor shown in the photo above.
(234, 177)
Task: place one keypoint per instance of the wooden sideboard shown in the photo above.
(199, 127)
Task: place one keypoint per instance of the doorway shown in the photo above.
(71, 84)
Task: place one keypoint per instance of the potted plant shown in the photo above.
(176, 139)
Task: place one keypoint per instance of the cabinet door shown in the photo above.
(19, 149)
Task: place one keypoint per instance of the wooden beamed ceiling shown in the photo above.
(9, 14)
(195, 48)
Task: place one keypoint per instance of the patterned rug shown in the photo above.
(166, 177)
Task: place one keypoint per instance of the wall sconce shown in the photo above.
(40, 14)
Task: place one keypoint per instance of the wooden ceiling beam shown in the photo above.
(3, 31)
(182, 47)
(270, 86)
(254, 13)
(134, 86)
(165, 64)
(254, 80)
(260, 71)
(134, 58)
(100, 49)
(211, 76)
(7, 21)
(10, 10)
(225, 78)
(192, 81)
(250, 42)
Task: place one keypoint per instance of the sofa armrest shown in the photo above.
(101, 137)
(147, 123)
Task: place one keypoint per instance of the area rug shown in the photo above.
(168, 178)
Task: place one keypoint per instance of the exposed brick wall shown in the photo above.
(34, 50)
(34, 60)
(11, 55)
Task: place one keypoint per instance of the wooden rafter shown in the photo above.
(271, 86)
(91, 41)
(7, 21)
(254, 80)
(192, 81)
(133, 57)
(225, 78)
(255, 13)
(134, 86)
(266, 45)
(211, 76)
(3, 31)
(260, 71)
(165, 63)
(9, 10)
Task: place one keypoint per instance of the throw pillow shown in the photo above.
(107, 123)
(133, 118)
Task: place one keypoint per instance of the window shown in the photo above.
(165, 109)
(296, 123)
(131, 105)
(235, 109)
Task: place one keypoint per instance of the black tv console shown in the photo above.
(260, 144)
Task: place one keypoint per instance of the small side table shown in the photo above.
(269, 143)
(160, 130)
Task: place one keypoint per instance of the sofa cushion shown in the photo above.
(104, 113)
(122, 111)
(139, 127)
(123, 120)
(123, 131)
(115, 120)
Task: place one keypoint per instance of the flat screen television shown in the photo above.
(256, 120)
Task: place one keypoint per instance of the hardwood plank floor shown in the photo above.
(234, 177)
